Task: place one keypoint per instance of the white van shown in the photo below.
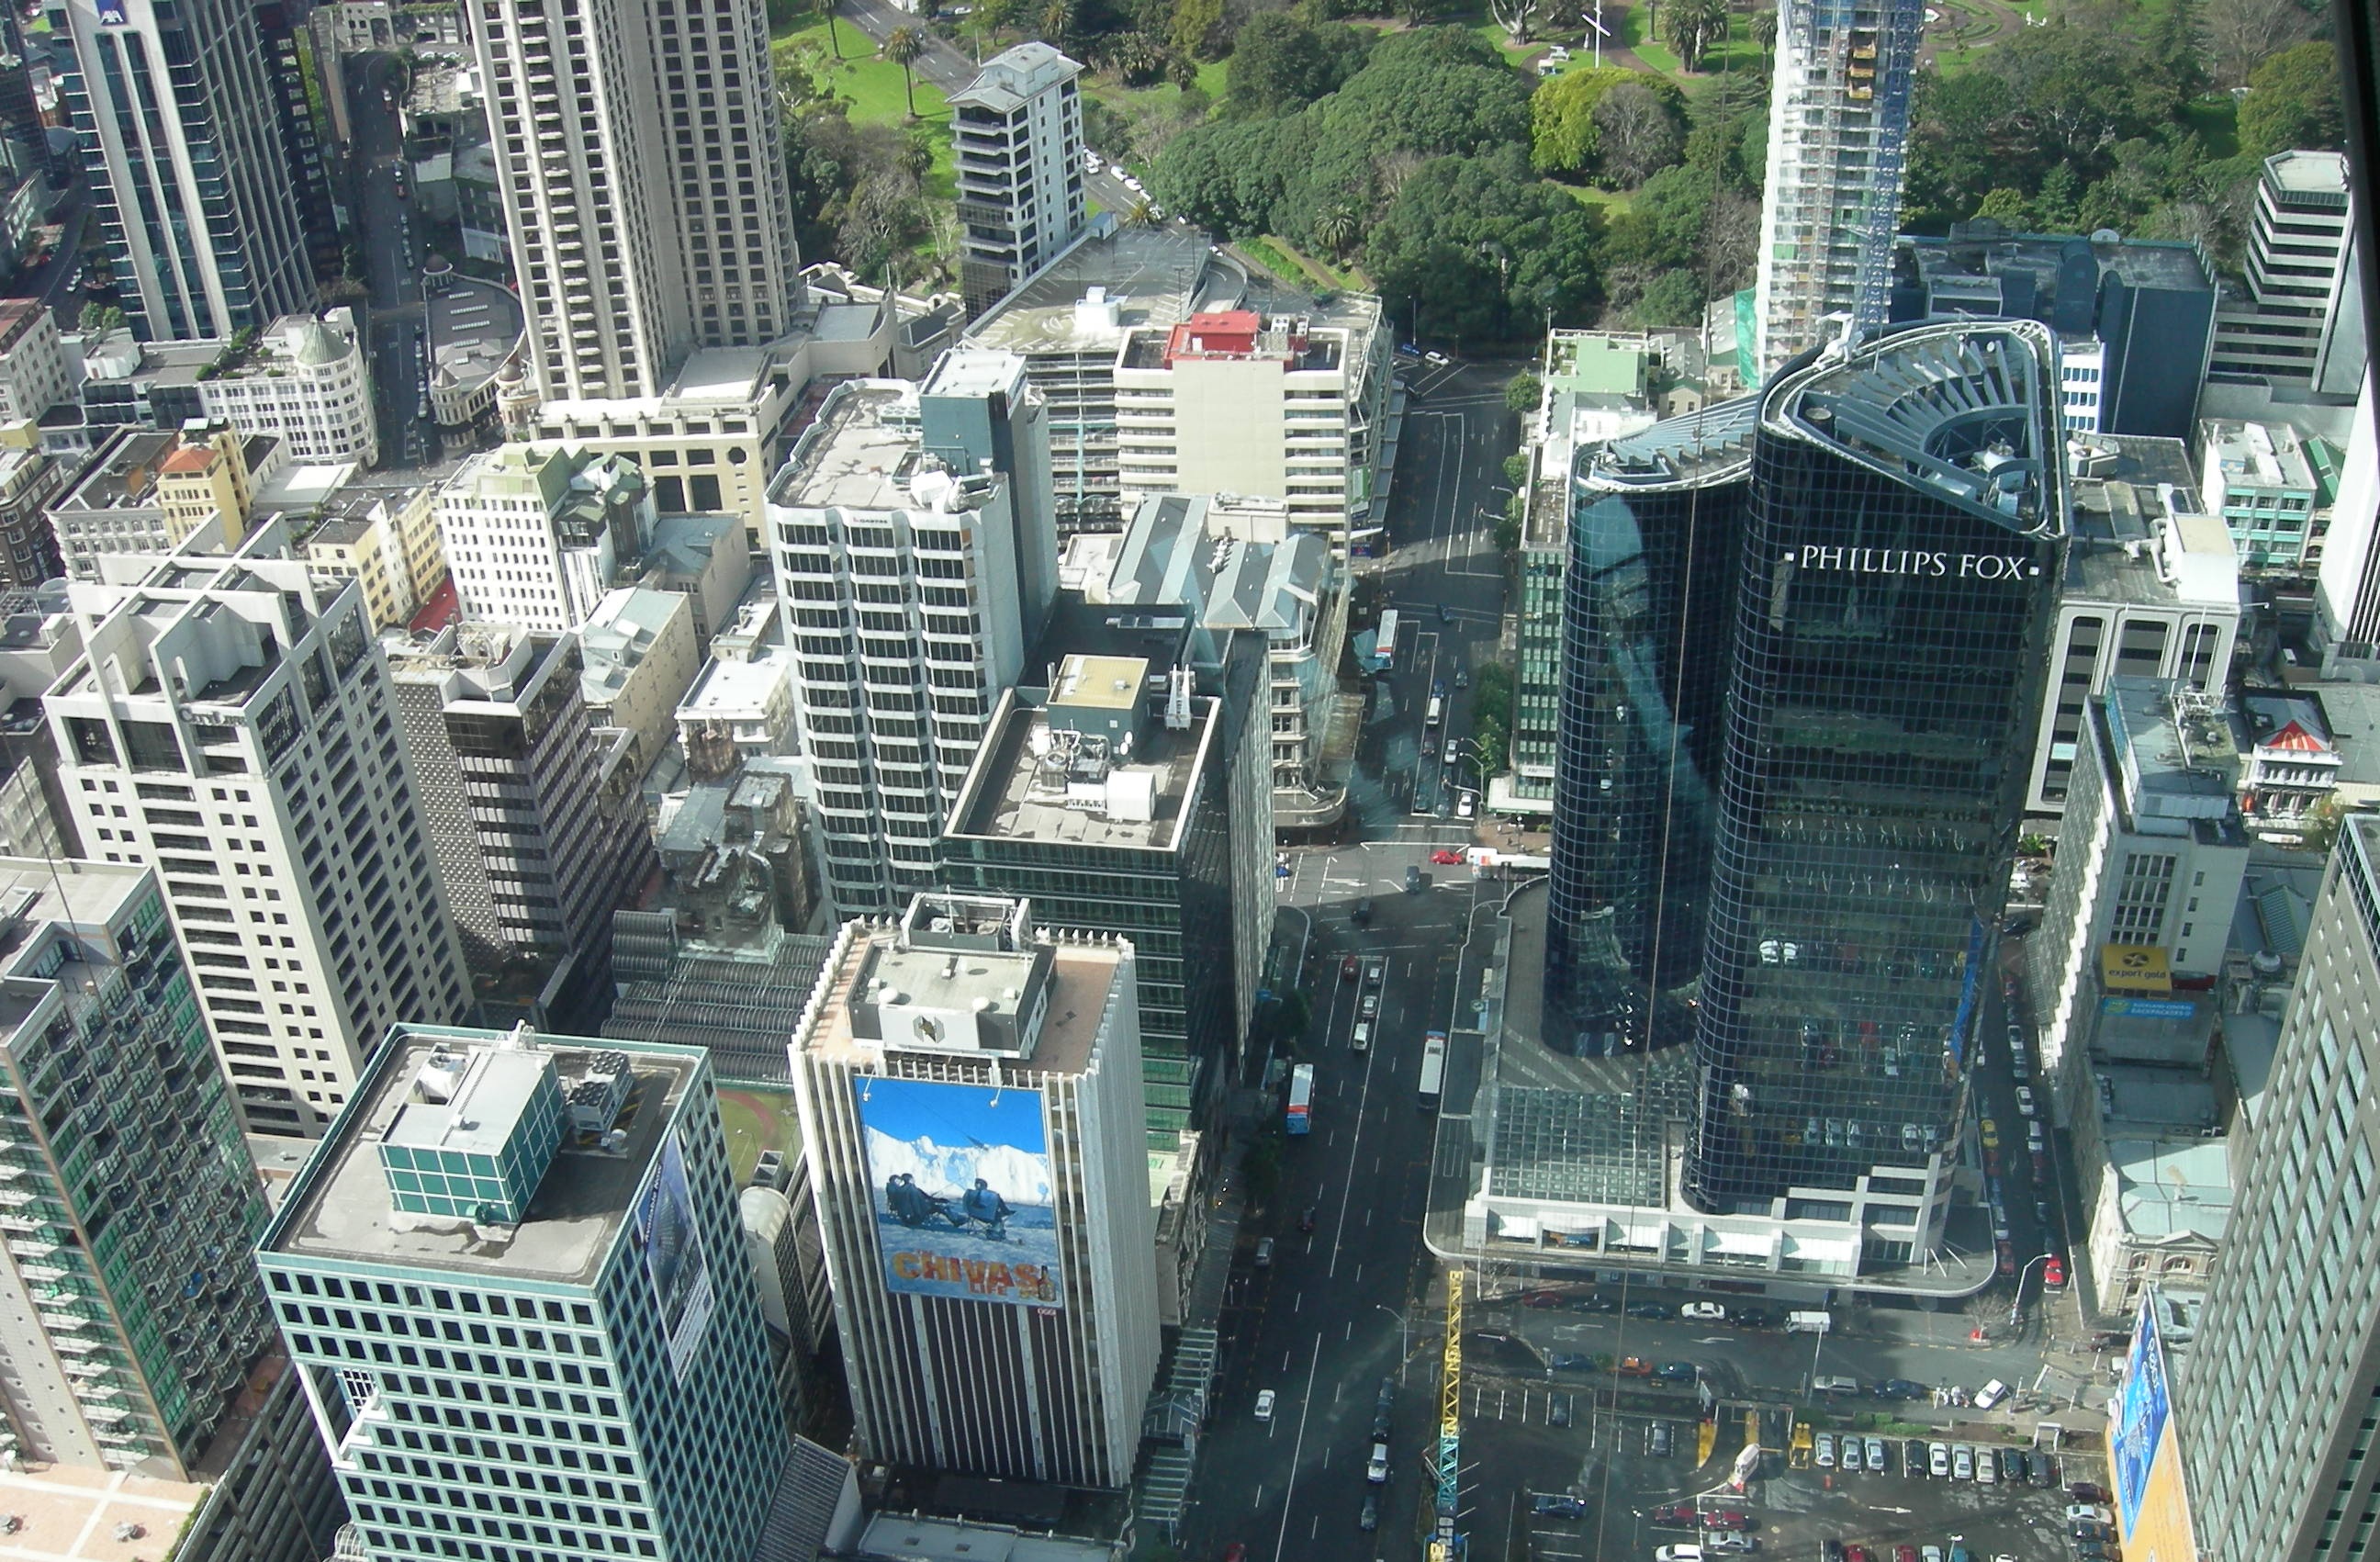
(1990, 1393)
(1361, 1039)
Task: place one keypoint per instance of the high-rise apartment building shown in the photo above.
(230, 725)
(2298, 323)
(645, 190)
(1018, 126)
(494, 712)
(1655, 523)
(2291, 1324)
(970, 1100)
(189, 173)
(1901, 561)
(536, 534)
(898, 580)
(128, 1314)
(514, 1283)
(2347, 604)
(1838, 146)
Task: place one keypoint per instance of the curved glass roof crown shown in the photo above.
(1690, 451)
(1960, 407)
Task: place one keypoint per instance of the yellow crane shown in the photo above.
(1445, 1545)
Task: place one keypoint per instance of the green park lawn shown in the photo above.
(755, 1119)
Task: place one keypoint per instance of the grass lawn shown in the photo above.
(2216, 120)
(1263, 252)
(871, 84)
(755, 1119)
(1613, 202)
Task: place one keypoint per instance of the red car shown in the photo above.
(1904, 1554)
(2053, 1273)
(2083, 1491)
(1851, 1554)
(1541, 1298)
(1676, 1516)
(1347, 969)
(1726, 1519)
(1991, 1163)
(1237, 1552)
(2008, 1259)
(1446, 859)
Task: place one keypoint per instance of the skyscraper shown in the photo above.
(516, 1286)
(899, 581)
(644, 187)
(1655, 529)
(2298, 322)
(2291, 1325)
(230, 725)
(128, 1314)
(1838, 139)
(1901, 561)
(189, 171)
(1018, 126)
(970, 1100)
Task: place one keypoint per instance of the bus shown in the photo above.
(1433, 1069)
(1384, 644)
(1301, 1099)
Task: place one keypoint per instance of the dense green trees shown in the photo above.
(1279, 63)
(1565, 135)
(1482, 250)
(2293, 102)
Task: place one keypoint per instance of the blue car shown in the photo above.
(1570, 1362)
(1675, 1372)
(1560, 1508)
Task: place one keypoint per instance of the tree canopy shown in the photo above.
(1565, 136)
(2293, 102)
(1483, 249)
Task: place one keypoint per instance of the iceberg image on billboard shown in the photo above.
(959, 1181)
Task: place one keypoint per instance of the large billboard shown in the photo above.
(959, 1182)
(675, 1265)
(2141, 1411)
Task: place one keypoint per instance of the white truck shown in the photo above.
(1810, 1323)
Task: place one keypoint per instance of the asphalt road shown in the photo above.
(392, 267)
(1343, 1307)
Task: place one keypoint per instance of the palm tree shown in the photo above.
(1336, 229)
(1696, 26)
(1764, 33)
(917, 157)
(901, 48)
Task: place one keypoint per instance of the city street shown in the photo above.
(391, 265)
(1348, 1304)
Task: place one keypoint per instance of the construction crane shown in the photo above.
(1445, 1545)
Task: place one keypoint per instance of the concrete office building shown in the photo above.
(527, 1246)
(1239, 402)
(641, 656)
(977, 410)
(1120, 799)
(30, 480)
(1018, 132)
(191, 179)
(897, 583)
(1597, 387)
(2150, 854)
(2298, 1479)
(960, 1055)
(304, 382)
(2298, 325)
(494, 712)
(2152, 590)
(2134, 317)
(147, 492)
(1838, 149)
(1653, 553)
(1900, 568)
(230, 725)
(2273, 490)
(129, 1314)
(536, 534)
(645, 223)
(35, 375)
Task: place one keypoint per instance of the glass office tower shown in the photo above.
(1900, 568)
(1656, 533)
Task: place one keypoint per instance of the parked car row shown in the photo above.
(1691, 1312)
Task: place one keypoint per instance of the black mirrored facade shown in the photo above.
(1904, 529)
(1655, 534)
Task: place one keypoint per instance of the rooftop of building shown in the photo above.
(72, 1513)
(2174, 1031)
(684, 544)
(2178, 751)
(1710, 446)
(307, 341)
(1602, 362)
(1009, 80)
(725, 382)
(123, 471)
(474, 326)
(117, 356)
(2261, 456)
(1168, 556)
(1236, 336)
(2153, 1095)
(865, 453)
(340, 1208)
(69, 893)
(1983, 247)
(474, 664)
(855, 1015)
(1135, 277)
(734, 685)
(619, 633)
(2169, 1188)
(1967, 409)
(971, 372)
(16, 317)
(911, 1537)
(306, 485)
(1031, 782)
(2308, 173)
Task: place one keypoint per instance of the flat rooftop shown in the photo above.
(1154, 276)
(340, 1207)
(69, 1513)
(860, 455)
(2175, 754)
(2313, 173)
(1081, 978)
(1019, 790)
(914, 1538)
(1986, 249)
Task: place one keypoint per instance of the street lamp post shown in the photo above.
(2016, 1307)
(1405, 1339)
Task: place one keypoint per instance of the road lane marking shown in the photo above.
(1297, 1451)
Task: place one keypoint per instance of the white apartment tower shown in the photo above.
(1838, 141)
(971, 1102)
(535, 533)
(644, 185)
(2298, 323)
(898, 579)
(230, 725)
(1019, 137)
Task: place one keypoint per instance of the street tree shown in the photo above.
(903, 46)
(1696, 26)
